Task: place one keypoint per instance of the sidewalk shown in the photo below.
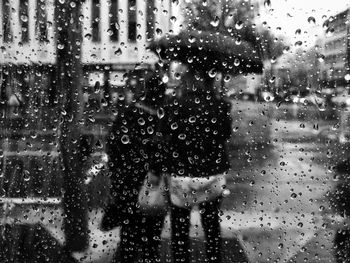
(248, 236)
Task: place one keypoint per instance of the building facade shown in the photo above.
(115, 33)
(335, 43)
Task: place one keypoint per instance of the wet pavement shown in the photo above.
(278, 209)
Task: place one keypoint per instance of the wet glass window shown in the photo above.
(150, 15)
(132, 20)
(174, 131)
(95, 20)
(6, 21)
(23, 17)
(41, 21)
(113, 20)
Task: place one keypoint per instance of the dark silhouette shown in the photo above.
(130, 149)
(340, 202)
(197, 125)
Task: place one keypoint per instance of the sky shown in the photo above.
(291, 15)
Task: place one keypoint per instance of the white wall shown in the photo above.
(33, 51)
(102, 52)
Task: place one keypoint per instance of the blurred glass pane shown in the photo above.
(131, 129)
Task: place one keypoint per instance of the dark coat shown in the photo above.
(132, 153)
(129, 146)
(130, 150)
(196, 127)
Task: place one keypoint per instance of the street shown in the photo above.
(277, 210)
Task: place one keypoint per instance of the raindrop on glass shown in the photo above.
(125, 139)
(160, 113)
(118, 52)
(239, 25)
(215, 22)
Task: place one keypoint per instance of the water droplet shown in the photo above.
(182, 136)
(238, 41)
(60, 46)
(236, 62)
(298, 31)
(150, 130)
(320, 57)
(329, 153)
(125, 139)
(329, 32)
(212, 73)
(335, 126)
(173, 19)
(141, 121)
(311, 20)
(192, 39)
(118, 52)
(347, 77)
(174, 126)
(215, 22)
(286, 50)
(160, 113)
(273, 59)
(267, 3)
(159, 32)
(298, 43)
(88, 36)
(227, 78)
(24, 18)
(321, 104)
(239, 25)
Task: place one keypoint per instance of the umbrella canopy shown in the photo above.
(209, 50)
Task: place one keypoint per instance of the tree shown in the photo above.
(235, 19)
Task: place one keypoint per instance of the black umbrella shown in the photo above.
(209, 50)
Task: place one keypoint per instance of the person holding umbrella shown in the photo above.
(196, 127)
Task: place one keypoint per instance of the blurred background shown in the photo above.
(64, 66)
